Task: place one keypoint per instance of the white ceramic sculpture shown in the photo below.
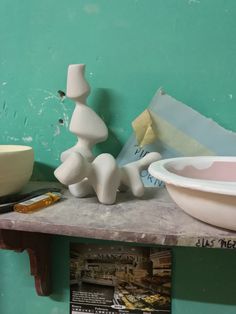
(85, 123)
(80, 170)
(103, 175)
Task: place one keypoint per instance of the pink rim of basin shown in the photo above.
(204, 187)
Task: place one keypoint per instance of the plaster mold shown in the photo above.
(80, 170)
(204, 187)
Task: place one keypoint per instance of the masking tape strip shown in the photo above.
(143, 128)
(178, 140)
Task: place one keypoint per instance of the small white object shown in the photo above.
(16, 166)
(130, 174)
(204, 187)
(102, 175)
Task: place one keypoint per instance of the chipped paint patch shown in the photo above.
(66, 119)
(30, 103)
(230, 96)
(12, 138)
(4, 83)
(40, 111)
(57, 131)
(27, 139)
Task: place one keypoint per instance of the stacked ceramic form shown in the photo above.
(81, 171)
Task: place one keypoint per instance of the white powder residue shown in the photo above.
(27, 139)
(57, 131)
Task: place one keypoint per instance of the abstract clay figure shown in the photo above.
(85, 123)
(83, 173)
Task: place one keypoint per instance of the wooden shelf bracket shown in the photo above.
(38, 247)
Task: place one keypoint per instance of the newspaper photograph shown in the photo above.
(119, 279)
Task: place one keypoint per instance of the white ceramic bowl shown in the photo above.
(204, 187)
(16, 166)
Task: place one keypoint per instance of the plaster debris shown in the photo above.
(57, 131)
(40, 111)
(50, 94)
(66, 119)
(27, 139)
(12, 138)
(30, 103)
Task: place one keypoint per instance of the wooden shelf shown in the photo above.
(154, 219)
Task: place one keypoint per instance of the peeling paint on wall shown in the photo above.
(27, 139)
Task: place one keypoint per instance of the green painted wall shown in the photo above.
(131, 47)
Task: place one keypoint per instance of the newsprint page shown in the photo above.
(119, 279)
